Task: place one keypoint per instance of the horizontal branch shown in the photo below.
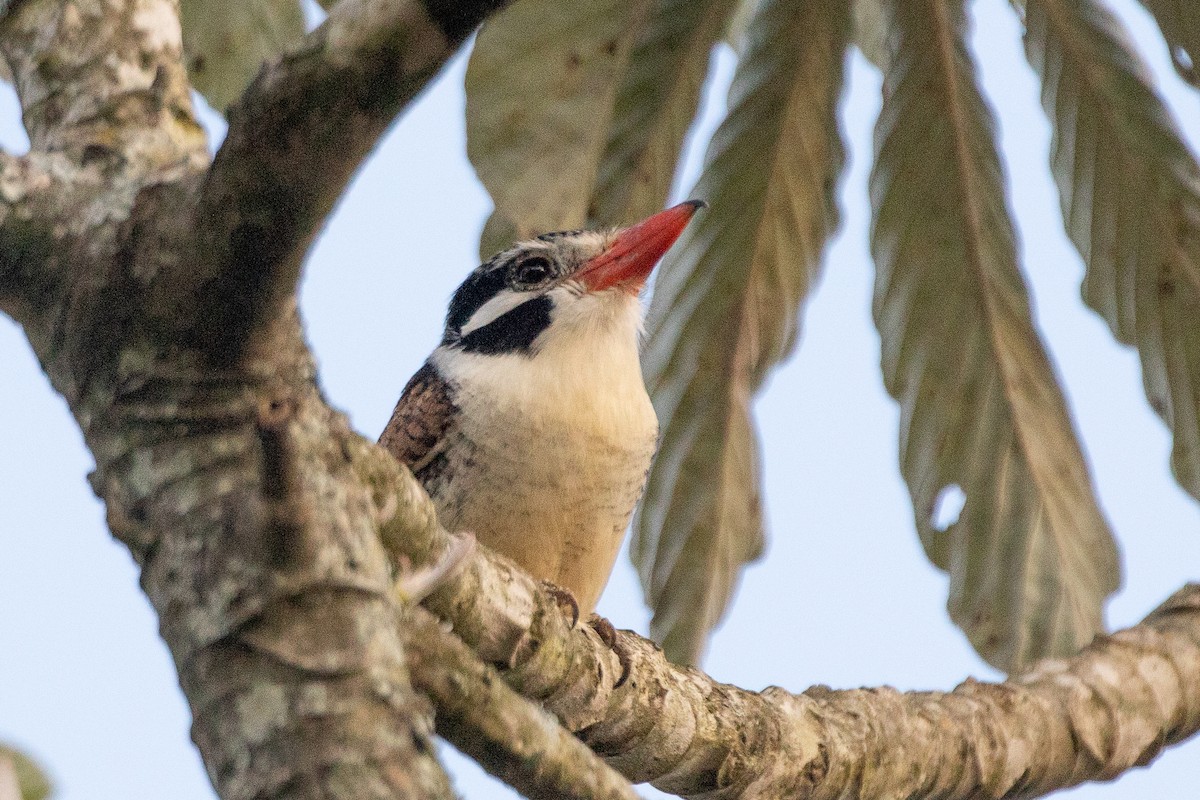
(509, 736)
(295, 139)
(1114, 706)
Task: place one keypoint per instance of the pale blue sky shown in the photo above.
(844, 596)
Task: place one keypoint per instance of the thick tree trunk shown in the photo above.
(221, 467)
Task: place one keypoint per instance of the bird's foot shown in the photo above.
(608, 634)
(564, 599)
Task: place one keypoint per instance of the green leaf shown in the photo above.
(18, 769)
(725, 311)
(1179, 21)
(1130, 194)
(225, 44)
(1031, 558)
(541, 84)
(654, 107)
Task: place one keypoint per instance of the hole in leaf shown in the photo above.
(1182, 59)
(947, 507)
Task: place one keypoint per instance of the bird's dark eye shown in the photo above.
(532, 271)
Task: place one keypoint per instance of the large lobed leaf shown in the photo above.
(1031, 558)
(654, 105)
(578, 113)
(725, 310)
(225, 44)
(541, 83)
(1179, 20)
(1130, 193)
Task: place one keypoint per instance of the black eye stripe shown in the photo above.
(512, 332)
(522, 269)
(482, 285)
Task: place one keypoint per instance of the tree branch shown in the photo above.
(1114, 706)
(276, 607)
(295, 138)
(513, 739)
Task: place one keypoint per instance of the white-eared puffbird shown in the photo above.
(529, 425)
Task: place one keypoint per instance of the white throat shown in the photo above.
(584, 368)
(552, 446)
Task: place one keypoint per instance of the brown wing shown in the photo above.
(418, 429)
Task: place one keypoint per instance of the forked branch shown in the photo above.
(295, 139)
(278, 611)
(509, 736)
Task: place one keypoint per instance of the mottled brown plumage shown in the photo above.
(421, 421)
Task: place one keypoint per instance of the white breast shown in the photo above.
(553, 448)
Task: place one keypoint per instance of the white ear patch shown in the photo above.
(504, 301)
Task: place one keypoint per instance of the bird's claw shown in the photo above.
(564, 599)
(608, 634)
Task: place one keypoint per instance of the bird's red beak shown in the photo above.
(631, 257)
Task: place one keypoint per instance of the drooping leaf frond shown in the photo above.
(1031, 558)
(725, 310)
(19, 774)
(870, 31)
(541, 84)
(1130, 193)
(655, 105)
(1179, 21)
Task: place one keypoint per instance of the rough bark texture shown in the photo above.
(158, 294)
(513, 739)
(1114, 706)
(229, 483)
(294, 140)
